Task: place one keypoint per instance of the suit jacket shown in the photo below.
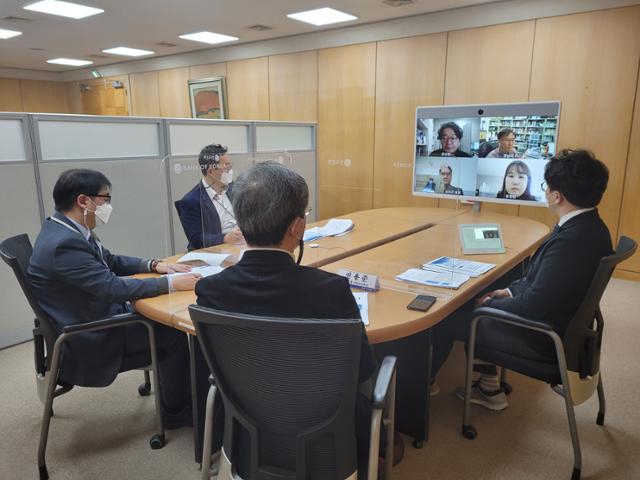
(560, 272)
(74, 286)
(202, 227)
(270, 283)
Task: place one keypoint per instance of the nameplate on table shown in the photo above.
(364, 281)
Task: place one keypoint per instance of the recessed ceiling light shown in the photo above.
(209, 37)
(69, 61)
(64, 9)
(129, 52)
(322, 16)
(4, 34)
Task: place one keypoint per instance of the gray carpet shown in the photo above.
(104, 433)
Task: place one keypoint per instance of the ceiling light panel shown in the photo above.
(4, 34)
(64, 9)
(322, 16)
(69, 61)
(128, 52)
(209, 37)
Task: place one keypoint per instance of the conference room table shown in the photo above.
(384, 242)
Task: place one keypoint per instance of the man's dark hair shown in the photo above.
(266, 199)
(579, 176)
(77, 181)
(210, 156)
(504, 132)
(453, 126)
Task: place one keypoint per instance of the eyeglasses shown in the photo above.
(307, 211)
(543, 186)
(447, 139)
(107, 198)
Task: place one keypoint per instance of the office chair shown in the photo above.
(16, 252)
(289, 391)
(576, 373)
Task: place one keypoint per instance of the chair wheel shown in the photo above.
(506, 388)
(144, 389)
(469, 432)
(576, 474)
(417, 444)
(157, 441)
(44, 474)
(600, 419)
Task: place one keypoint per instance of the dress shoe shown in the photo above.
(183, 418)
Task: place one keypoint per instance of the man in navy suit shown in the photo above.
(77, 280)
(270, 203)
(205, 211)
(558, 276)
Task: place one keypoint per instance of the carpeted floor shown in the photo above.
(103, 433)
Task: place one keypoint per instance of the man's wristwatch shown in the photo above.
(154, 265)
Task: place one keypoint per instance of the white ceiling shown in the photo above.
(144, 23)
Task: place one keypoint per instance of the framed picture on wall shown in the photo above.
(207, 98)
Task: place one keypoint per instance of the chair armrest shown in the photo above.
(511, 318)
(383, 381)
(110, 322)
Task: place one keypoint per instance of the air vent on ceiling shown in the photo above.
(165, 44)
(36, 49)
(259, 28)
(398, 3)
(13, 19)
(97, 55)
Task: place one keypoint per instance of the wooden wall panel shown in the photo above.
(173, 89)
(198, 72)
(145, 95)
(75, 98)
(630, 213)
(10, 95)
(293, 87)
(102, 98)
(346, 89)
(248, 89)
(590, 63)
(409, 73)
(489, 65)
(44, 97)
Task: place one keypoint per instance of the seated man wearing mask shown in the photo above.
(77, 280)
(269, 202)
(205, 211)
(557, 278)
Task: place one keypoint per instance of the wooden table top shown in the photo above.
(386, 242)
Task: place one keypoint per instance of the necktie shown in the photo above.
(93, 241)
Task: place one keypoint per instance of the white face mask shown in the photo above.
(102, 213)
(227, 177)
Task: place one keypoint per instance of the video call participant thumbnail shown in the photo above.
(516, 184)
(506, 148)
(444, 185)
(449, 135)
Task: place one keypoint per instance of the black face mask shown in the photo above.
(300, 251)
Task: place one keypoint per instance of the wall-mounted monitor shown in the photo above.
(493, 152)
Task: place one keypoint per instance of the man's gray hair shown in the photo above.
(266, 199)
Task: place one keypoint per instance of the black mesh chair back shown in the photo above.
(288, 388)
(16, 252)
(582, 342)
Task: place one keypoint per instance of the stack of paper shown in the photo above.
(363, 305)
(203, 271)
(213, 259)
(434, 278)
(458, 265)
(332, 228)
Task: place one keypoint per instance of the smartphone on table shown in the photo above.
(421, 303)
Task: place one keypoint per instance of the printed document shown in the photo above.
(434, 278)
(458, 265)
(213, 259)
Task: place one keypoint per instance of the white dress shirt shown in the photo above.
(223, 207)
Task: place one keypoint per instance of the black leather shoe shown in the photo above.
(173, 421)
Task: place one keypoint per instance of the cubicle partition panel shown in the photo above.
(130, 153)
(20, 213)
(151, 163)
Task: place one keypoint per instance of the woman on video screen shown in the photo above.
(516, 184)
(449, 135)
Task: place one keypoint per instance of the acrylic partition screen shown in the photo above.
(494, 153)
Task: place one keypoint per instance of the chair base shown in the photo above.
(144, 389)
(600, 419)
(469, 432)
(44, 473)
(576, 474)
(157, 441)
(417, 444)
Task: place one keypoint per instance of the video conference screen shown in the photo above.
(494, 152)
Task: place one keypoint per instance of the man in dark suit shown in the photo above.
(270, 202)
(77, 280)
(205, 211)
(558, 277)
